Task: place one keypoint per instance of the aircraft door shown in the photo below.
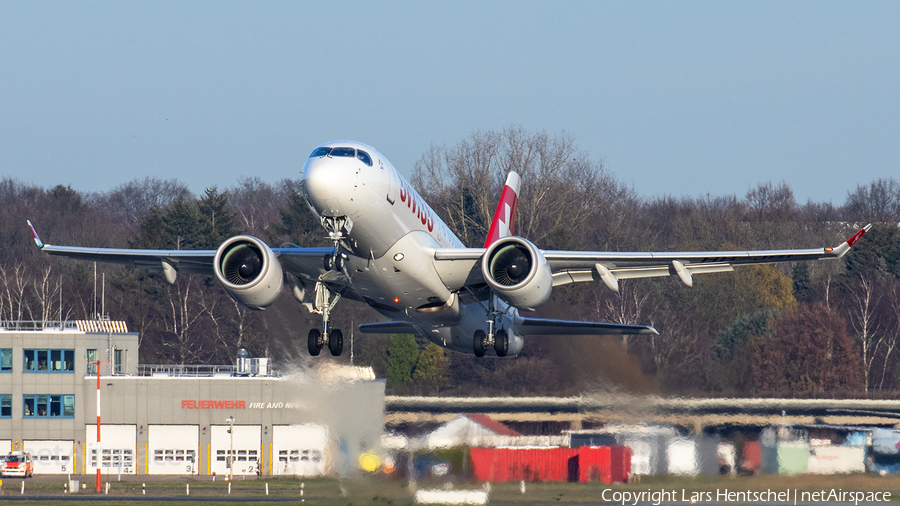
(392, 181)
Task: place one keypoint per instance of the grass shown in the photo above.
(379, 491)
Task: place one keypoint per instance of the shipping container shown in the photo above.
(785, 450)
(605, 463)
(835, 459)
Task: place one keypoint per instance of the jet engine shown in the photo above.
(517, 272)
(249, 271)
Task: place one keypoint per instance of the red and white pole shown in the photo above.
(99, 454)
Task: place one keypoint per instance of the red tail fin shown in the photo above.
(505, 218)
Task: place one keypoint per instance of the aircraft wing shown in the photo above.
(461, 269)
(305, 263)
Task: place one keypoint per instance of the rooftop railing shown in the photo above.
(197, 371)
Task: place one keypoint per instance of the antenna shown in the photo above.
(103, 299)
(94, 302)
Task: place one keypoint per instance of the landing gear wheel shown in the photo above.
(501, 343)
(333, 263)
(336, 342)
(315, 346)
(478, 343)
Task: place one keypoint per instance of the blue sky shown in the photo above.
(680, 98)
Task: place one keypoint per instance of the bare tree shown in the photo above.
(131, 202)
(626, 307)
(15, 283)
(256, 204)
(676, 350)
(863, 301)
(46, 292)
(185, 308)
(892, 330)
(880, 202)
(560, 186)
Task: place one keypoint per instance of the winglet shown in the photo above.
(845, 247)
(505, 218)
(34, 234)
(857, 236)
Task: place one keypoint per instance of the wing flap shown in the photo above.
(567, 276)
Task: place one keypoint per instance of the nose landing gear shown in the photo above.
(338, 227)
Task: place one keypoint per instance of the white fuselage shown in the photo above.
(388, 238)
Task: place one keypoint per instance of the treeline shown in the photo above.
(807, 329)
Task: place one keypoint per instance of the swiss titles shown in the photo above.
(416, 205)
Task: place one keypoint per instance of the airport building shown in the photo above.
(175, 419)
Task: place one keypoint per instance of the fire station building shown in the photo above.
(175, 419)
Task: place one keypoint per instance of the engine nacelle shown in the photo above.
(249, 271)
(517, 272)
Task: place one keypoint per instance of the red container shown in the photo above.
(751, 456)
(620, 464)
(602, 463)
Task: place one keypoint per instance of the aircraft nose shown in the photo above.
(321, 184)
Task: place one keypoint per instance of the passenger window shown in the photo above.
(320, 152)
(366, 159)
(343, 152)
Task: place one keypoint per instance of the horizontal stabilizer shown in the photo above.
(544, 326)
(387, 328)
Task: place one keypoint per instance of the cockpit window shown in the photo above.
(343, 152)
(364, 157)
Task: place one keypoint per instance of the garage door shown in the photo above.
(5, 447)
(245, 449)
(299, 449)
(117, 449)
(52, 457)
(172, 449)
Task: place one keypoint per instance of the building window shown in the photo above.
(91, 362)
(117, 359)
(6, 360)
(49, 360)
(114, 457)
(236, 455)
(48, 406)
(170, 455)
(6, 406)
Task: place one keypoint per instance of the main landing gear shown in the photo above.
(324, 301)
(481, 342)
(335, 342)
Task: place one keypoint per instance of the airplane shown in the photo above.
(392, 251)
